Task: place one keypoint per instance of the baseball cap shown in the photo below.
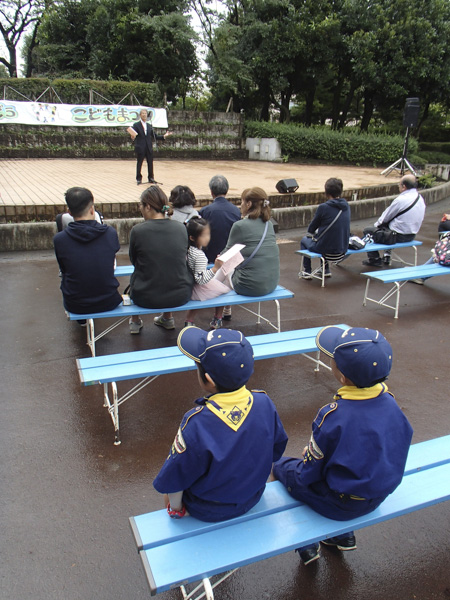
(363, 355)
(225, 354)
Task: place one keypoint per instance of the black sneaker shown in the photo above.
(310, 554)
(386, 260)
(341, 543)
(373, 262)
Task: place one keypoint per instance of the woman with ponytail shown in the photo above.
(158, 248)
(259, 274)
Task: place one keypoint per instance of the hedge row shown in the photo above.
(434, 147)
(322, 143)
(76, 91)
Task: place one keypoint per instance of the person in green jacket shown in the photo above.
(260, 274)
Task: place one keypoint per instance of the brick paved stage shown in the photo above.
(40, 182)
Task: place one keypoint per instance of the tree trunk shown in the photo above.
(423, 117)
(285, 113)
(31, 46)
(336, 102)
(12, 67)
(309, 104)
(368, 110)
(347, 104)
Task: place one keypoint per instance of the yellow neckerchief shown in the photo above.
(232, 408)
(351, 392)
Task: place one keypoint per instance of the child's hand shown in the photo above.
(305, 450)
(217, 264)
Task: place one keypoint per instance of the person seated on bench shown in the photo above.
(209, 283)
(441, 249)
(359, 443)
(86, 253)
(400, 222)
(259, 274)
(158, 247)
(221, 214)
(330, 228)
(183, 201)
(223, 452)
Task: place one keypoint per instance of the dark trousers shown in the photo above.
(401, 237)
(319, 496)
(140, 159)
(307, 243)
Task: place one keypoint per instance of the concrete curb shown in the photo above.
(15, 237)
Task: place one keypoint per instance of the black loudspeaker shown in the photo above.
(287, 186)
(411, 112)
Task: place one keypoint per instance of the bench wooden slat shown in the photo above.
(214, 552)
(155, 528)
(367, 248)
(145, 363)
(231, 298)
(407, 273)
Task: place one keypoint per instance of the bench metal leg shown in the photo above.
(260, 318)
(208, 588)
(399, 259)
(113, 406)
(317, 361)
(90, 332)
(394, 291)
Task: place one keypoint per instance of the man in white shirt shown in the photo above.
(401, 220)
(143, 135)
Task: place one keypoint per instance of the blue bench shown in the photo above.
(175, 553)
(123, 313)
(319, 272)
(399, 277)
(126, 270)
(150, 364)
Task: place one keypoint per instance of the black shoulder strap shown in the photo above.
(329, 226)
(405, 210)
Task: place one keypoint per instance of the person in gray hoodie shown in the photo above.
(330, 236)
(86, 251)
(183, 201)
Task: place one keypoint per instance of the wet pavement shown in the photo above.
(67, 492)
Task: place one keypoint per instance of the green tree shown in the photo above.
(16, 17)
(138, 40)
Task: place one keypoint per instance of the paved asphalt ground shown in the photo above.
(67, 492)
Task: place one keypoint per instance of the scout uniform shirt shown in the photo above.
(222, 454)
(359, 444)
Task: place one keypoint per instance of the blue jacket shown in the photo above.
(221, 463)
(221, 215)
(335, 240)
(86, 251)
(358, 446)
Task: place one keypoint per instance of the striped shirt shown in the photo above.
(198, 263)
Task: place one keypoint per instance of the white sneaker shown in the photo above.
(135, 326)
(166, 323)
(305, 275)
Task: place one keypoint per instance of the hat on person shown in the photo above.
(225, 354)
(363, 355)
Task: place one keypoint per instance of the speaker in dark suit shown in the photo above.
(143, 135)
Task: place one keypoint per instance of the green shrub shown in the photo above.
(417, 161)
(323, 143)
(426, 181)
(434, 147)
(76, 91)
(436, 158)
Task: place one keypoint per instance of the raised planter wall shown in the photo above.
(39, 236)
(200, 134)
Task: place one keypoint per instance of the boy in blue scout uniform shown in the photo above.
(223, 451)
(359, 443)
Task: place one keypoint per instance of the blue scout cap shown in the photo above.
(363, 355)
(225, 354)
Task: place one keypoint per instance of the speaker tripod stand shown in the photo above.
(402, 164)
